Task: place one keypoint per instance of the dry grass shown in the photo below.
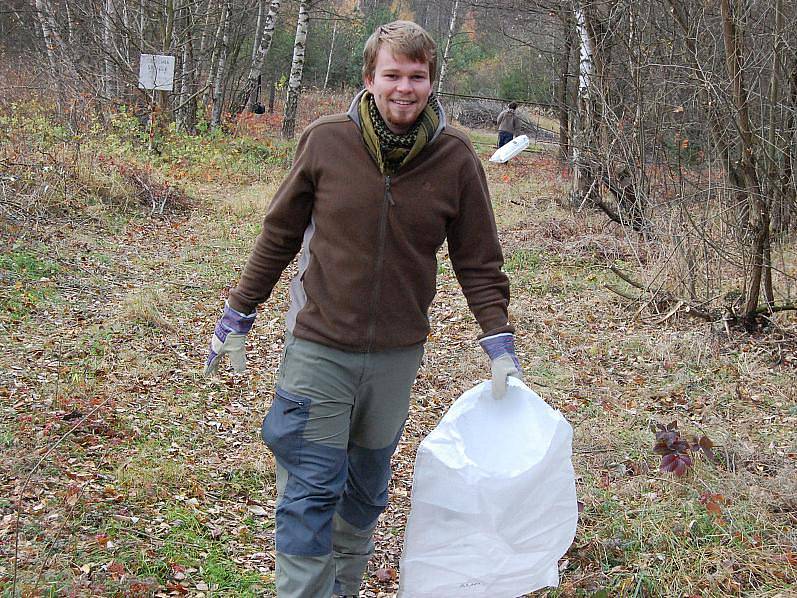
(244, 203)
(145, 307)
(166, 475)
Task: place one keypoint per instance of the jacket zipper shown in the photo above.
(380, 258)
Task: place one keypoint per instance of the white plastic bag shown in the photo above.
(493, 499)
(508, 151)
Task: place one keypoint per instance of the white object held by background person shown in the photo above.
(493, 499)
(510, 150)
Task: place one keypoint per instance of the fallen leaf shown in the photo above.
(386, 574)
(116, 570)
(257, 510)
(176, 587)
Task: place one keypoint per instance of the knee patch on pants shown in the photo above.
(316, 475)
(365, 495)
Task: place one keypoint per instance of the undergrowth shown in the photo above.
(100, 170)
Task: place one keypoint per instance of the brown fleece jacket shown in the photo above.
(368, 269)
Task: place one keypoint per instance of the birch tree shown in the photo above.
(260, 55)
(218, 84)
(331, 52)
(452, 24)
(584, 183)
(297, 69)
(216, 42)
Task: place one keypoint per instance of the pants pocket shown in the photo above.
(283, 426)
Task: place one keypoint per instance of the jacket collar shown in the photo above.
(354, 114)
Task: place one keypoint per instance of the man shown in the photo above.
(371, 197)
(507, 124)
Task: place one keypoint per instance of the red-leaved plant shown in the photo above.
(674, 449)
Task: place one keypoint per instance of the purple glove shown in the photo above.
(230, 337)
(500, 348)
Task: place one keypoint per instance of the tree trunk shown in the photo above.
(70, 24)
(215, 49)
(759, 212)
(188, 92)
(584, 181)
(272, 92)
(58, 54)
(168, 26)
(203, 40)
(563, 84)
(109, 75)
(125, 33)
(141, 24)
(48, 36)
(261, 7)
(218, 86)
(297, 68)
(787, 181)
(331, 50)
(168, 33)
(447, 52)
(259, 57)
(715, 120)
(775, 146)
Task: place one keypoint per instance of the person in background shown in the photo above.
(370, 198)
(508, 124)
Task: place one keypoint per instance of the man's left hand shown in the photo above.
(503, 361)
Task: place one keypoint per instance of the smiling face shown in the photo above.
(401, 88)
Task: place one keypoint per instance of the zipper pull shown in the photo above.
(388, 194)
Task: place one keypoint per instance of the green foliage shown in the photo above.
(464, 54)
(210, 155)
(6, 440)
(355, 36)
(27, 265)
(346, 65)
(102, 165)
(126, 128)
(280, 53)
(522, 261)
(513, 85)
(527, 83)
(502, 73)
(35, 122)
(246, 483)
(22, 287)
(190, 545)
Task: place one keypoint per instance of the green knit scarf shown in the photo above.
(390, 150)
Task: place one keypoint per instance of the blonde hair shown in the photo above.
(404, 38)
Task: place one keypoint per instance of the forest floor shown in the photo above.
(126, 472)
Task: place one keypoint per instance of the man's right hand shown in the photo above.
(229, 338)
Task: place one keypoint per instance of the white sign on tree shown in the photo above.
(156, 71)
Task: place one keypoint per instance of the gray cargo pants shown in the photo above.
(333, 426)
